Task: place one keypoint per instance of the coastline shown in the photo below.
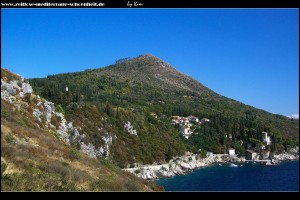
(244, 177)
(186, 164)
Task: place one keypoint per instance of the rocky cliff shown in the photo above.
(21, 95)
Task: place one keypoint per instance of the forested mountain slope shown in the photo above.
(137, 97)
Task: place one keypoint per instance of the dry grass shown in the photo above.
(35, 159)
(39, 161)
(8, 76)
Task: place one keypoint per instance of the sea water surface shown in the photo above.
(248, 177)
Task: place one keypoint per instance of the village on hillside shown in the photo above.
(187, 125)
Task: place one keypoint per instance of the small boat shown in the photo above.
(241, 165)
(233, 165)
(254, 162)
(220, 164)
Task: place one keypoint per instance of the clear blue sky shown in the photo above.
(251, 55)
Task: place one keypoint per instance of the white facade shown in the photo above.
(266, 138)
(186, 131)
(231, 152)
(208, 154)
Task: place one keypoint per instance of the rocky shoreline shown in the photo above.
(186, 164)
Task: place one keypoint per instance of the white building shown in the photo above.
(250, 155)
(185, 121)
(186, 131)
(231, 152)
(229, 136)
(208, 154)
(266, 138)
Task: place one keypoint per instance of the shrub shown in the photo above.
(43, 119)
(55, 120)
(164, 168)
(30, 109)
(34, 179)
(59, 168)
(28, 97)
(4, 113)
(279, 148)
(9, 138)
(203, 154)
(131, 165)
(74, 154)
(108, 184)
(41, 108)
(19, 83)
(35, 100)
(59, 109)
(21, 122)
(3, 168)
(107, 163)
(132, 186)
(65, 164)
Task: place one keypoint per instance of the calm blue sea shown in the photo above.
(249, 177)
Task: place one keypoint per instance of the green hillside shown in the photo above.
(35, 158)
(147, 91)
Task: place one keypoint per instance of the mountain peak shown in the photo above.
(152, 61)
(153, 71)
(147, 55)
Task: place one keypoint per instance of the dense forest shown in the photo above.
(139, 90)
